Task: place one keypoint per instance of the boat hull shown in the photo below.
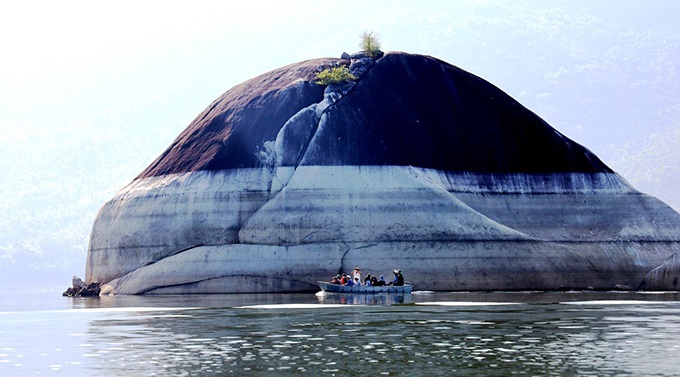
(336, 288)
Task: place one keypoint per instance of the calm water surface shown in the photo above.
(569, 333)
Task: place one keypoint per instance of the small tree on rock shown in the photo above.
(370, 44)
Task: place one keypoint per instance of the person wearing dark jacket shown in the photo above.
(398, 278)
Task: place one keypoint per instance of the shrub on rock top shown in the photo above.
(335, 75)
(370, 44)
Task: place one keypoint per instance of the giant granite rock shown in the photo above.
(417, 165)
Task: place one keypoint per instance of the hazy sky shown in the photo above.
(91, 93)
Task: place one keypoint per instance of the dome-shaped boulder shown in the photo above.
(416, 165)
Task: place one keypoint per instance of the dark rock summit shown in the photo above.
(408, 110)
(416, 164)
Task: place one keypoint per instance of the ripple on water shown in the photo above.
(430, 337)
(465, 303)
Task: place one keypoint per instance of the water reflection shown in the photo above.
(420, 334)
(337, 334)
(364, 299)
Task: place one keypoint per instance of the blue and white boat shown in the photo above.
(337, 288)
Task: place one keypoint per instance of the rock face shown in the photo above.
(417, 165)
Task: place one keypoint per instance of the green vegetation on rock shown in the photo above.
(335, 75)
(370, 44)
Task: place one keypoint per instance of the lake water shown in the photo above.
(492, 334)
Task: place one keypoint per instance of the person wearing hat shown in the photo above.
(356, 273)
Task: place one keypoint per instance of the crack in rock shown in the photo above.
(285, 153)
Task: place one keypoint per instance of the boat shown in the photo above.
(337, 288)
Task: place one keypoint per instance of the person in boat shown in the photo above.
(356, 273)
(374, 281)
(367, 281)
(335, 280)
(350, 283)
(398, 278)
(357, 281)
(380, 282)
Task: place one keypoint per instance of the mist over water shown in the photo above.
(577, 333)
